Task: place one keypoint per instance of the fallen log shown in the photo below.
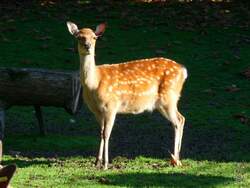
(38, 87)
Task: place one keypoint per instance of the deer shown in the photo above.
(128, 88)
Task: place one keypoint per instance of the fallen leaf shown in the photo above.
(243, 119)
(232, 88)
(44, 47)
(72, 121)
(71, 50)
(160, 51)
(208, 91)
(156, 166)
(236, 57)
(14, 153)
(246, 73)
(10, 20)
(177, 42)
(26, 61)
(43, 38)
(227, 62)
(4, 38)
(104, 181)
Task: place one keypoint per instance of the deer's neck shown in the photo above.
(88, 71)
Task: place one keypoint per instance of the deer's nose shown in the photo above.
(87, 46)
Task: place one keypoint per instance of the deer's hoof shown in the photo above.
(105, 167)
(98, 164)
(174, 161)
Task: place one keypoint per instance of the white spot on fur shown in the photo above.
(110, 88)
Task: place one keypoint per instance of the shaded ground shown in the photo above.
(163, 179)
(144, 135)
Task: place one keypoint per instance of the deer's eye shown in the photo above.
(82, 40)
(94, 37)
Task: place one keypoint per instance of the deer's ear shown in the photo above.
(73, 29)
(100, 29)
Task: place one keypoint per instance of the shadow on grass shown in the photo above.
(142, 135)
(155, 137)
(166, 180)
(149, 135)
(25, 163)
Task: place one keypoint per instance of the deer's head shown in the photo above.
(86, 37)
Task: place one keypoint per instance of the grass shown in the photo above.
(212, 41)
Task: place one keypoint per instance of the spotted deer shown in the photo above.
(130, 87)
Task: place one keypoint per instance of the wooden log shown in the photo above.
(40, 87)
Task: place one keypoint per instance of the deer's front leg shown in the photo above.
(99, 157)
(109, 123)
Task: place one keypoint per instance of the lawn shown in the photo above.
(211, 40)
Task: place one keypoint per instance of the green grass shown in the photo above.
(210, 41)
(140, 172)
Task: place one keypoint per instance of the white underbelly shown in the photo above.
(137, 105)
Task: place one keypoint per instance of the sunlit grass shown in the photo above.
(140, 172)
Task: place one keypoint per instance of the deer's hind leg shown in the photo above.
(168, 108)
